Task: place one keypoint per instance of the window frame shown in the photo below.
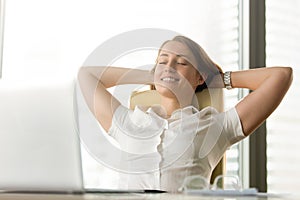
(257, 59)
(244, 171)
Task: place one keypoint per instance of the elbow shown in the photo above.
(288, 75)
(285, 75)
(82, 75)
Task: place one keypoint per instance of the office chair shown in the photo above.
(147, 96)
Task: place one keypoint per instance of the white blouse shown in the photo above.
(159, 153)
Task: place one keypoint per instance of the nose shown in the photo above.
(170, 66)
(169, 69)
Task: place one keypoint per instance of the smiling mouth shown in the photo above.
(169, 79)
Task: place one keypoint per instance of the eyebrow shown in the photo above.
(164, 54)
(167, 55)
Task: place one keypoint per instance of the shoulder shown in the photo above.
(209, 110)
(227, 122)
(228, 115)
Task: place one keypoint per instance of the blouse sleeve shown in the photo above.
(233, 126)
(120, 114)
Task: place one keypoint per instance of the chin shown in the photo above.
(163, 91)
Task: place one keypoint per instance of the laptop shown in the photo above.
(40, 150)
(39, 142)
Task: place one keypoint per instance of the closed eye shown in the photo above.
(162, 63)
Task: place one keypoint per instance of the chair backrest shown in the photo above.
(208, 97)
(147, 97)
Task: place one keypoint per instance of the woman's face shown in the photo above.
(174, 73)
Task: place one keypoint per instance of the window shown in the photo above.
(282, 48)
(51, 39)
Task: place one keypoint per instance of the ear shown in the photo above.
(202, 78)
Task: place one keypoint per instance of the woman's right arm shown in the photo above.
(94, 82)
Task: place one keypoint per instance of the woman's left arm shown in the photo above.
(269, 86)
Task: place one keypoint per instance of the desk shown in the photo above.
(132, 196)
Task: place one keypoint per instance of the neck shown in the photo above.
(172, 104)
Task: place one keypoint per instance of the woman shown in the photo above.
(166, 143)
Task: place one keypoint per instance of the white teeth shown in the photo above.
(169, 79)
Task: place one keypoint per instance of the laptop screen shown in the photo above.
(39, 145)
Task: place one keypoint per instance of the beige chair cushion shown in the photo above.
(211, 97)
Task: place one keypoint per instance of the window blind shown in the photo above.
(282, 49)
